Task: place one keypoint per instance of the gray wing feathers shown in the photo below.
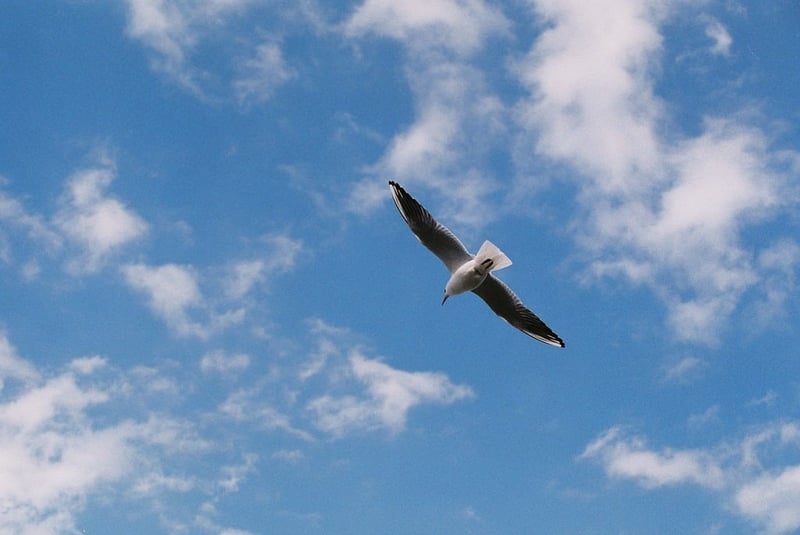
(432, 234)
(508, 306)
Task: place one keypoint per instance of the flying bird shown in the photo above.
(471, 273)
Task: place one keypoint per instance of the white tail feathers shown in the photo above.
(490, 258)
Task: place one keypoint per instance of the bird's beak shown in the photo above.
(445, 298)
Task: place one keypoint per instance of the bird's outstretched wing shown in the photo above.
(508, 306)
(432, 234)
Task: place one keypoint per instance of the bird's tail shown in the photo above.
(490, 258)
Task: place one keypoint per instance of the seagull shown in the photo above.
(468, 272)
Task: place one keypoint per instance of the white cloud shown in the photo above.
(171, 290)
(205, 520)
(280, 257)
(176, 31)
(336, 389)
(244, 276)
(705, 418)
(773, 500)
(629, 458)
(260, 75)
(390, 395)
(88, 432)
(593, 101)
(233, 475)
(457, 25)
(54, 456)
(14, 212)
(469, 513)
(358, 393)
(684, 369)
(88, 365)
(662, 209)
(722, 40)
(99, 224)
(445, 148)
(328, 346)
(318, 358)
(174, 294)
(778, 265)
(288, 456)
(234, 531)
(96, 223)
(156, 483)
(749, 475)
(152, 380)
(173, 28)
(12, 366)
(223, 362)
(249, 405)
(160, 25)
(765, 400)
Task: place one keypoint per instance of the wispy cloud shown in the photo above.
(261, 74)
(684, 369)
(13, 211)
(205, 520)
(445, 148)
(629, 458)
(662, 209)
(750, 474)
(721, 39)
(765, 400)
(174, 295)
(90, 226)
(175, 32)
(222, 362)
(233, 475)
(12, 366)
(98, 223)
(288, 456)
(456, 25)
(173, 28)
(388, 397)
(280, 256)
(54, 455)
(336, 389)
(181, 294)
(772, 500)
(251, 405)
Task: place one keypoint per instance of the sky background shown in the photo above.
(215, 321)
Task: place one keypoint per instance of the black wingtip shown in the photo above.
(551, 339)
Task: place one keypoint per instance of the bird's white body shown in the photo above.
(472, 273)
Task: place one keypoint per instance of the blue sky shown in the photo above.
(215, 321)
